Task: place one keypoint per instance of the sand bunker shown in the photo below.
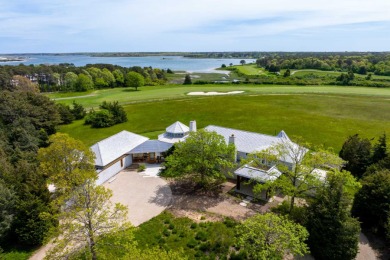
(214, 93)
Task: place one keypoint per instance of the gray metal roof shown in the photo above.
(250, 142)
(258, 174)
(115, 146)
(247, 142)
(177, 128)
(166, 138)
(152, 146)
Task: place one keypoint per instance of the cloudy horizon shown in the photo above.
(40, 26)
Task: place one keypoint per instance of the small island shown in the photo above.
(8, 59)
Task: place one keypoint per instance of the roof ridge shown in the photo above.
(246, 131)
(112, 136)
(100, 153)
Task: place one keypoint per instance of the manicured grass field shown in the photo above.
(169, 92)
(250, 70)
(325, 119)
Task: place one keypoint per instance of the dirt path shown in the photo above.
(366, 252)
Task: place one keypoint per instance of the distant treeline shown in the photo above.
(361, 63)
(67, 77)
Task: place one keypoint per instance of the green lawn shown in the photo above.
(321, 73)
(319, 118)
(168, 92)
(249, 70)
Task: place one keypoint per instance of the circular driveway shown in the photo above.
(145, 196)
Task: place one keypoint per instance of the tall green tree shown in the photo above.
(119, 77)
(334, 234)
(187, 80)
(89, 214)
(357, 153)
(78, 111)
(134, 80)
(372, 203)
(67, 163)
(380, 149)
(70, 81)
(299, 177)
(270, 236)
(204, 157)
(7, 208)
(84, 83)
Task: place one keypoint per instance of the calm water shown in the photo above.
(171, 62)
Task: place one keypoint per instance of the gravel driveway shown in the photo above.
(145, 196)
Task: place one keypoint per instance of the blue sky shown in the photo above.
(30, 26)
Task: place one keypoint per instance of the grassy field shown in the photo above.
(169, 92)
(250, 70)
(301, 111)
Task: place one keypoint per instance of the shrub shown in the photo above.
(192, 243)
(78, 111)
(193, 225)
(166, 233)
(142, 168)
(229, 222)
(201, 235)
(101, 118)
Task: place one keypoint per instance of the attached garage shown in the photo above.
(112, 154)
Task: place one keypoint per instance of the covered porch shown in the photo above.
(248, 177)
(151, 151)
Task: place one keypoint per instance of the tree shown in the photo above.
(70, 81)
(334, 234)
(203, 157)
(242, 62)
(380, 149)
(100, 119)
(287, 73)
(187, 80)
(84, 83)
(298, 179)
(270, 236)
(7, 208)
(78, 111)
(24, 84)
(119, 77)
(357, 153)
(88, 215)
(118, 113)
(134, 80)
(223, 66)
(66, 114)
(372, 202)
(38, 110)
(67, 163)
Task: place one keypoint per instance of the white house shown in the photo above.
(112, 154)
(119, 151)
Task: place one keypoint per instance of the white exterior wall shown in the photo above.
(127, 161)
(114, 169)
